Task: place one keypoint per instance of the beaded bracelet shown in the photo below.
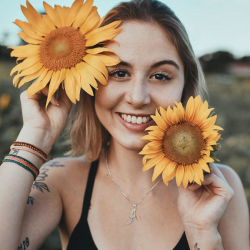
(23, 163)
(31, 151)
(19, 143)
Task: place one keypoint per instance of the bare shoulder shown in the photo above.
(234, 224)
(65, 170)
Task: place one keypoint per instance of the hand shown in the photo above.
(50, 122)
(202, 206)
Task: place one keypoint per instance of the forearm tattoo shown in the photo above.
(30, 200)
(196, 247)
(39, 182)
(24, 245)
(14, 151)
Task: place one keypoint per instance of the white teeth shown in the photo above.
(134, 119)
(139, 120)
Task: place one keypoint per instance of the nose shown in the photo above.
(137, 93)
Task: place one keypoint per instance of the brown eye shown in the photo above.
(118, 73)
(162, 77)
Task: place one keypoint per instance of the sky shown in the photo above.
(212, 25)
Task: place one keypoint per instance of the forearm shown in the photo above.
(15, 186)
(203, 239)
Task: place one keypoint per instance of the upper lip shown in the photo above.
(131, 114)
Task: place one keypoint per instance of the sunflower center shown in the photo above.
(62, 48)
(183, 143)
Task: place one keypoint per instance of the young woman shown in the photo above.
(102, 199)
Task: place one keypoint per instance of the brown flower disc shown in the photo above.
(183, 143)
(62, 48)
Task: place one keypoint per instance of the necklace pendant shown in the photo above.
(133, 215)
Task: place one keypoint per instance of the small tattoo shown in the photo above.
(38, 183)
(196, 247)
(52, 164)
(30, 200)
(24, 245)
(15, 151)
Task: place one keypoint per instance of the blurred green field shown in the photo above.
(228, 94)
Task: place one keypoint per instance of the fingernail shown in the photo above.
(57, 104)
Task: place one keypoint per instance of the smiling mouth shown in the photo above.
(135, 119)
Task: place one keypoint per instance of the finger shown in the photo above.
(217, 171)
(43, 94)
(215, 184)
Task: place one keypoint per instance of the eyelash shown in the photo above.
(112, 73)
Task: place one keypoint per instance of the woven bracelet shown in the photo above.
(19, 143)
(23, 163)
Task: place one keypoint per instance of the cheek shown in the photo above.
(106, 97)
(168, 95)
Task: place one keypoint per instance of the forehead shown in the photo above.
(143, 42)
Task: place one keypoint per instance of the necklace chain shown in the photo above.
(134, 205)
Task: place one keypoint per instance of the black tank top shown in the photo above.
(81, 238)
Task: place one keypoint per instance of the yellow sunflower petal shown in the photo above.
(159, 168)
(31, 77)
(74, 9)
(28, 29)
(69, 83)
(204, 165)
(159, 121)
(152, 162)
(28, 39)
(189, 109)
(96, 63)
(96, 73)
(39, 85)
(91, 21)
(169, 177)
(103, 36)
(179, 175)
(108, 60)
(60, 14)
(49, 23)
(35, 19)
(56, 80)
(84, 84)
(52, 14)
(100, 50)
(25, 64)
(25, 50)
(83, 13)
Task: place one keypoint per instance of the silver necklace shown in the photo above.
(133, 214)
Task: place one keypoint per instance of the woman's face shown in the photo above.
(150, 75)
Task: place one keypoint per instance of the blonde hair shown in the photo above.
(87, 134)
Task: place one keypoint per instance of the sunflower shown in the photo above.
(60, 49)
(182, 143)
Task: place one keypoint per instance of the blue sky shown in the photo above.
(211, 24)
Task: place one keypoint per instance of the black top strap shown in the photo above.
(89, 188)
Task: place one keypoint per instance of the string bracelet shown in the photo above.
(23, 163)
(25, 144)
(31, 151)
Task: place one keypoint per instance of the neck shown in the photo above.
(126, 167)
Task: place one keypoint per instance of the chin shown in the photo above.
(133, 144)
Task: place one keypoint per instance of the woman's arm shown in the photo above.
(215, 214)
(233, 228)
(234, 224)
(15, 186)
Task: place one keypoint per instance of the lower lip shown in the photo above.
(135, 127)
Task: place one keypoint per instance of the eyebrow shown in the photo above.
(170, 62)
